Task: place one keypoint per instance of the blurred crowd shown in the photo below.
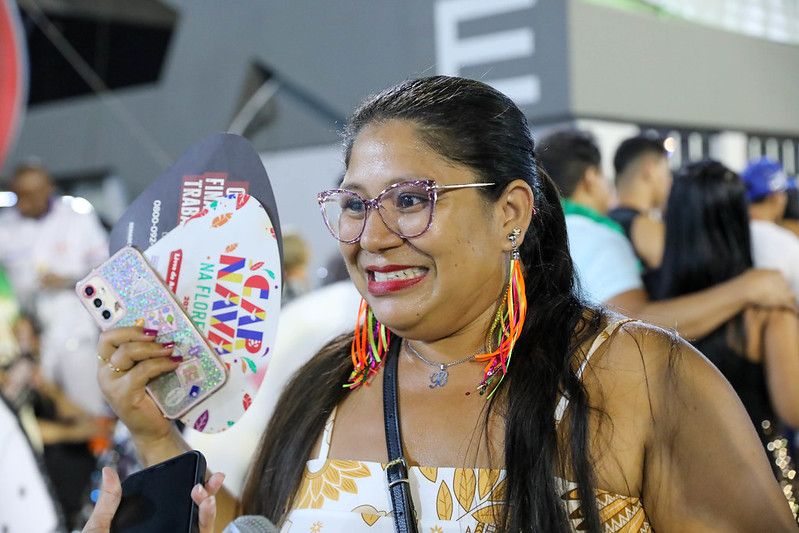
(709, 251)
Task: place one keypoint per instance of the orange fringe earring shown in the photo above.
(507, 326)
(369, 345)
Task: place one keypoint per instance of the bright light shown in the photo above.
(7, 199)
(670, 144)
(81, 205)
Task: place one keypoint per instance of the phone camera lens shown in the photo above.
(97, 302)
(106, 314)
(88, 290)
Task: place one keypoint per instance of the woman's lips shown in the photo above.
(392, 278)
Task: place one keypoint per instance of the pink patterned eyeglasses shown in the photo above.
(406, 208)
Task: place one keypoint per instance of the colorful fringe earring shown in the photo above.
(507, 325)
(369, 345)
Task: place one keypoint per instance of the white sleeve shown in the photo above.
(94, 240)
(25, 501)
(606, 265)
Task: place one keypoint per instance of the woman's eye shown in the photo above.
(410, 200)
(354, 205)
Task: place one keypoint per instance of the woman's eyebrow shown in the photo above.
(355, 187)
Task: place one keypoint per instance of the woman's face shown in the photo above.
(445, 280)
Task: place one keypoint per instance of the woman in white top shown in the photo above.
(457, 242)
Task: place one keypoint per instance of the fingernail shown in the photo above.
(168, 345)
(200, 490)
(176, 358)
(150, 332)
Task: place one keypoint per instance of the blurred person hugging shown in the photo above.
(605, 262)
(643, 181)
(708, 242)
(773, 246)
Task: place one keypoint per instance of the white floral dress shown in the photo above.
(348, 495)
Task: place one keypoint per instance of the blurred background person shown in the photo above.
(66, 435)
(296, 256)
(643, 181)
(790, 219)
(8, 314)
(707, 243)
(772, 245)
(605, 262)
(46, 246)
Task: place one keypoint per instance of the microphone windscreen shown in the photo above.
(251, 524)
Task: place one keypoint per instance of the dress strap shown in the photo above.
(560, 409)
(327, 435)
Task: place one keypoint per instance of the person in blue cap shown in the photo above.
(773, 246)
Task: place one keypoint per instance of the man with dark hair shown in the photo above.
(643, 181)
(607, 269)
(606, 263)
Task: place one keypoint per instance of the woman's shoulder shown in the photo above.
(650, 366)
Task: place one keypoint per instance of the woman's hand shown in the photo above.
(111, 495)
(128, 359)
(768, 288)
(107, 503)
(205, 498)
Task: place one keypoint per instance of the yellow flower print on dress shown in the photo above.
(334, 477)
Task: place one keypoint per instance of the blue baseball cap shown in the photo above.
(764, 177)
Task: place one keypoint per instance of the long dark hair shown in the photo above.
(707, 243)
(707, 230)
(472, 124)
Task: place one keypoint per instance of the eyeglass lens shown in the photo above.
(405, 209)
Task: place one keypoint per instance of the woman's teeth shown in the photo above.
(408, 273)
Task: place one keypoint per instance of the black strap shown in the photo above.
(397, 469)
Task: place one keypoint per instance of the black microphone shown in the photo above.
(251, 524)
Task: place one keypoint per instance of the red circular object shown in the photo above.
(13, 75)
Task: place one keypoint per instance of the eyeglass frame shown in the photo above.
(374, 203)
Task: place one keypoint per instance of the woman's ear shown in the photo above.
(517, 206)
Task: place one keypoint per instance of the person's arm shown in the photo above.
(65, 408)
(54, 432)
(705, 468)
(695, 315)
(156, 438)
(649, 237)
(781, 360)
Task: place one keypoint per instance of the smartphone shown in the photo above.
(125, 291)
(158, 499)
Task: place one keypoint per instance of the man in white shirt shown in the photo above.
(607, 270)
(46, 245)
(772, 245)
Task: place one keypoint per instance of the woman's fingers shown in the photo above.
(130, 353)
(138, 376)
(107, 503)
(204, 497)
(112, 339)
(214, 483)
(207, 514)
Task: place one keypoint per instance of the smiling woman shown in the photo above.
(541, 413)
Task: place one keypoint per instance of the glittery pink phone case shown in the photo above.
(124, 291)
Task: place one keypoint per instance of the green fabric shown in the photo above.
(573, 208)
(6, 292)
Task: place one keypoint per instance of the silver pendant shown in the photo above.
(439, 378)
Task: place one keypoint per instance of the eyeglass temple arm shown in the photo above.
(462, 186)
